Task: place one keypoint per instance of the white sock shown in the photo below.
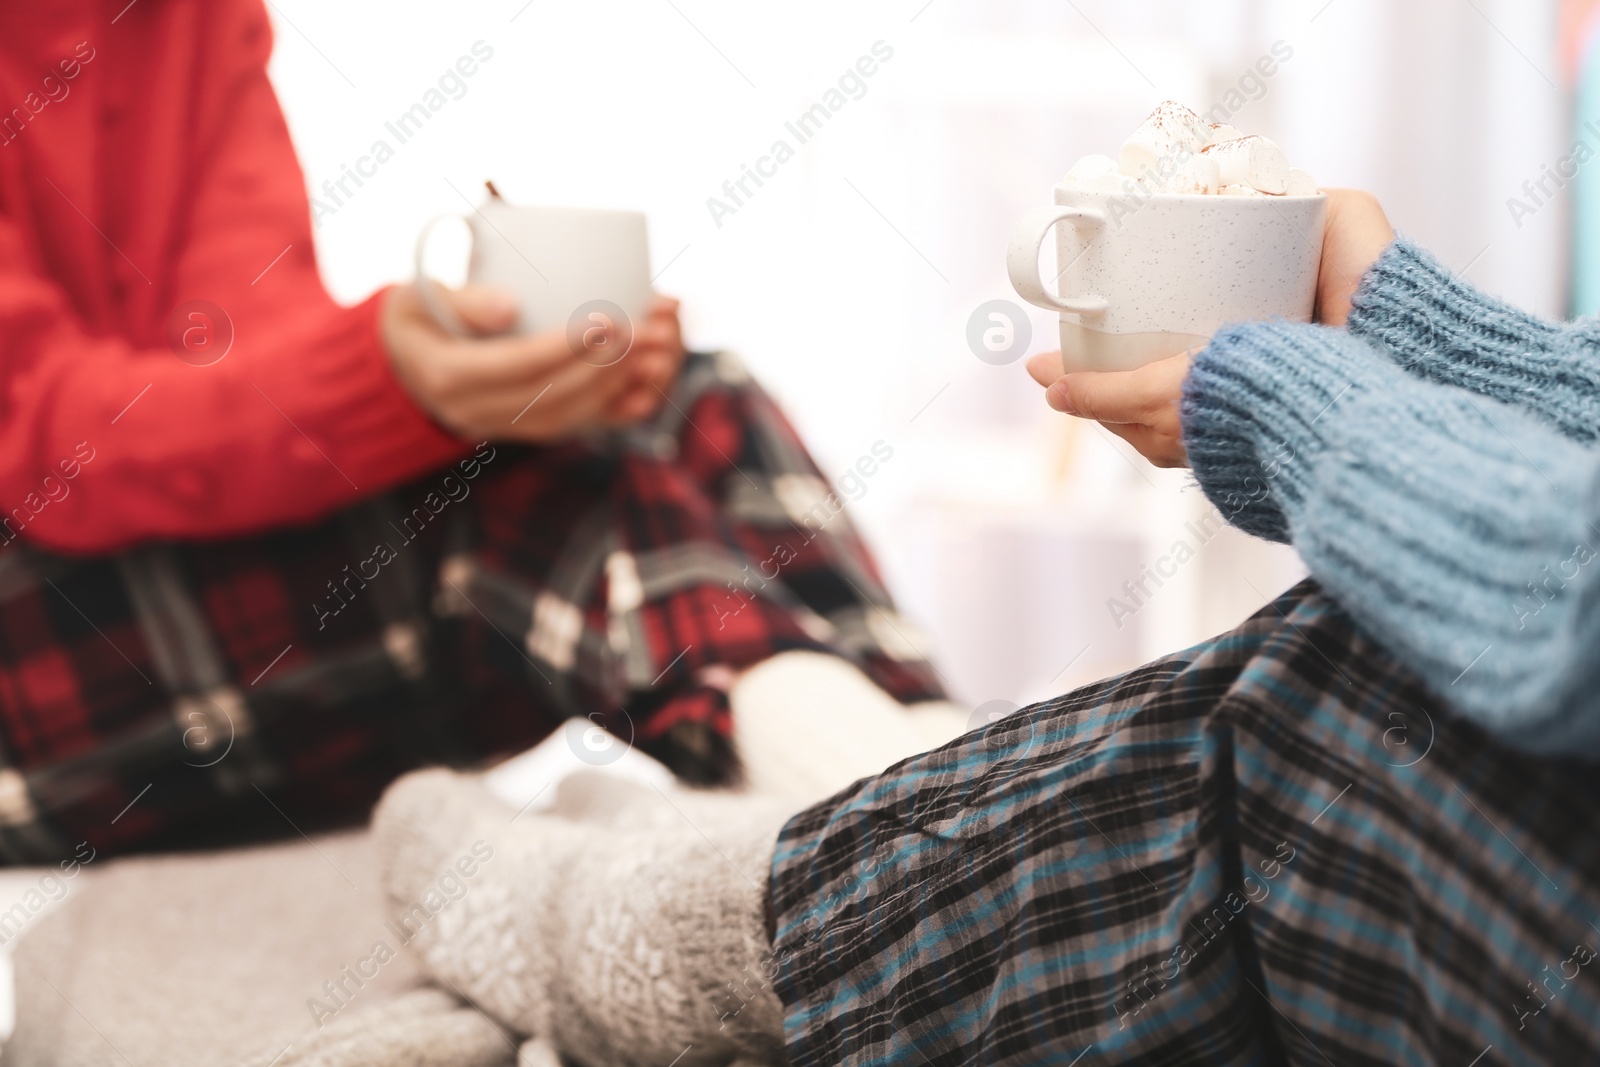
(808, 724)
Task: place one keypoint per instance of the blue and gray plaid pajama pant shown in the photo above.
(1272, 848)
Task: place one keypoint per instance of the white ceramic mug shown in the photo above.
(565, 265)
(1140, 282)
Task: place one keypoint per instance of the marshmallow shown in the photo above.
(1221, 131)
(1301, 183)
(1253, 161)
(1095, 174)
(1199, 175)
(1176, 152)
(1163, 141)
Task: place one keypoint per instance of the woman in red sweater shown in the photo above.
(260, 553)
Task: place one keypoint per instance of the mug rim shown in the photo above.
(1208, 197)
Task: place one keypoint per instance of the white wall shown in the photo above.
(847, 280)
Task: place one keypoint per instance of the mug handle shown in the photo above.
(431, 291)
(1022, 258)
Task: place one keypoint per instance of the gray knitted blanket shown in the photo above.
(277, 955)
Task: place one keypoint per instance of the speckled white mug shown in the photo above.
(1140, 282)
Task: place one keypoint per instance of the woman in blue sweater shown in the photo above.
(1433, 462)
(1362, 828)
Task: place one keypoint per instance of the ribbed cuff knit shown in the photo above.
(1456, 530)
(1254, 408)
(1442, 329)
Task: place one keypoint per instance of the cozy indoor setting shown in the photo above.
(981, 106)
(1028, 554)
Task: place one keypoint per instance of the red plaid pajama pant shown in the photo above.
(187, 694)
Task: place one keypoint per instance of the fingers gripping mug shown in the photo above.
(1141, 280)
(583, 270)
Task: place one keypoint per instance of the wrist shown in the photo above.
(400, 314)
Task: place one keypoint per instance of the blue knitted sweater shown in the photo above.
(1436, 466)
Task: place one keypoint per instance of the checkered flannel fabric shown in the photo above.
(1273, 848)
(181, 694)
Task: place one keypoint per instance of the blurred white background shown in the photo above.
(847, 280)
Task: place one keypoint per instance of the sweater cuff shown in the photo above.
(1254, 410)
(1415, 307)
(380, 435)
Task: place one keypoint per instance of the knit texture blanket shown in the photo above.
(260, 956)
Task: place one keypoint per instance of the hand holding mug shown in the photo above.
(1142, 281)
(535, 353)
(1140, 406)
(535, 388)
